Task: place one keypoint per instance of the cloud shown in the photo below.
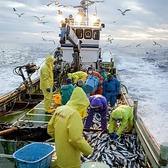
(12, 4)
(143, 21)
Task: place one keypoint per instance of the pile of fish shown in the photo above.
(124, 152)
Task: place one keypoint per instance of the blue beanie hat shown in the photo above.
(68, 80)
(89, 68)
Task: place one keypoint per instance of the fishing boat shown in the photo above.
(23, 119)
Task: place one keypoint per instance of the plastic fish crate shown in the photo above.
(34, 155)
(92, 83)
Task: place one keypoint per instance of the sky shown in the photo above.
(146, 20)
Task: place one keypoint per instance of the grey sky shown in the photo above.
(147, 20)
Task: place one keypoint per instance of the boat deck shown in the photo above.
(36, 116)
(29, 119)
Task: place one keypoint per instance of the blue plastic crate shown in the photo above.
(34, 155)
(92, 83)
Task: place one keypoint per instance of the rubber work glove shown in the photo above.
(48, 89)
(113, 135)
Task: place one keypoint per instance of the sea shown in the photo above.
(143, 70)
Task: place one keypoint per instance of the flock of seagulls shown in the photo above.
(83, 4)
(40, 20)
(109, 39)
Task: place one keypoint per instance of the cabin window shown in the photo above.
(87, 33)
(96, 34)
(79, 33)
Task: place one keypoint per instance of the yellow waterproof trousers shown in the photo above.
(47, 100)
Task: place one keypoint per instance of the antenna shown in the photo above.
(96, 10)
(87, 13)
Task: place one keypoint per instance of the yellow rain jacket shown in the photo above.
(82, 100)
(47, 81)
(78, 75)
(125, 114)
(66, 128)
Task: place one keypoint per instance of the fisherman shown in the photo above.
(90, 72)
(66, 91)
(58, 53)
(98, 104)
(111, 88)
(79, 90)
(47, 82)
(124, 114)
(82, 85)
(71, 19)
(78, 75)
(102, 73)
(66, 128)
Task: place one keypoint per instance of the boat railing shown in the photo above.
(85, 24)
(154, 153)
(15, 95)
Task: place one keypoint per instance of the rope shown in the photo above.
(124, 87)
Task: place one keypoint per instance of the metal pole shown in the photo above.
(135, 109)
(87, 14)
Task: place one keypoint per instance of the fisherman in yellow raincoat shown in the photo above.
(66, 128)
(46, 82)
(123, 113)
(78, 75)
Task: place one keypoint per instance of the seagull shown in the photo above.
(46, 31)
(19, 14)
(64, 6)
(110, 40)
(59, 12)
(14, 9)
(123, 12)
(52, 41)
(156, 43)
(108, 35)
(39, 18)
(44, 39)
(55, 2)
(43, 22)
(138, 45)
